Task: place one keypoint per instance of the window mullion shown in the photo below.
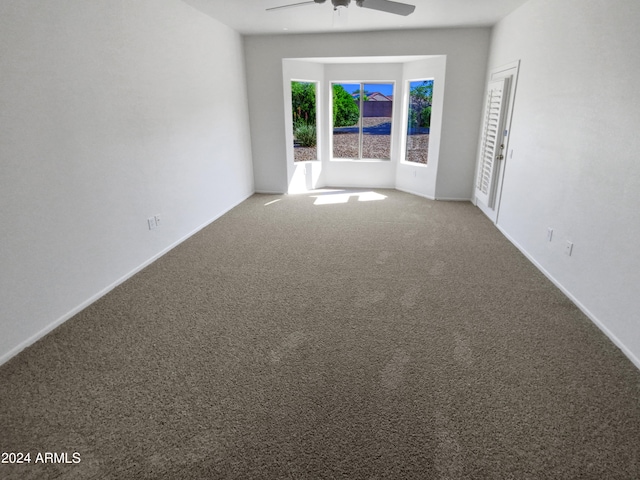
(361, 122)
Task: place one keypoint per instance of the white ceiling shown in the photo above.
(249, 16)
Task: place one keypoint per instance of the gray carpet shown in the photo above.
(398, 339)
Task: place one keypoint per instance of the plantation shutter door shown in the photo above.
(491, 146)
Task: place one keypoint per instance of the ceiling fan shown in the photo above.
(387, 6)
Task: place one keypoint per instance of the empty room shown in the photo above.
(357, 239)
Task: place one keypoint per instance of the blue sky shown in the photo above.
(383, 88)
(417, 83)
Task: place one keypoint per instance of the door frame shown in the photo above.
(511, 71)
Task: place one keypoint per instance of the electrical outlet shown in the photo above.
(568, 249)
(157, 218)
(151, 221)
(549, 233)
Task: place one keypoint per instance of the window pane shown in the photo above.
(303, 104)
(419, 121)
(377, 113)
(346, 120)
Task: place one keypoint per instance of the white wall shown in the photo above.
(466, 51)
(112, 111)
(575, 136)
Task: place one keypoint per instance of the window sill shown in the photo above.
(414, 164)
(362, 160)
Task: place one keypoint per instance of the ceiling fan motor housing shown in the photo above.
(340, 3)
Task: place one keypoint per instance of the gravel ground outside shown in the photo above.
(345, 145)
(375, 121)
(303, 154)
(418, 148)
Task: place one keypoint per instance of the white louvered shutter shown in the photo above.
(492, 138)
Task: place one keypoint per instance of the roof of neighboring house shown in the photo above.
(378, 97)
(375, 97)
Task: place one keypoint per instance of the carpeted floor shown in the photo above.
(317, 337)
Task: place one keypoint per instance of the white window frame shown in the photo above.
(405, 121)
(392, 133)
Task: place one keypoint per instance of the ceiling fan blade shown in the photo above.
(291, 5)
(387, 6)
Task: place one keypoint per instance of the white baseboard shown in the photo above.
(417, 194)
(453, 199)
(269, 192)
(357, 187)
(34, 338)
(629, 354)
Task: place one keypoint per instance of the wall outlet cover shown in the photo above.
(568, 249)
